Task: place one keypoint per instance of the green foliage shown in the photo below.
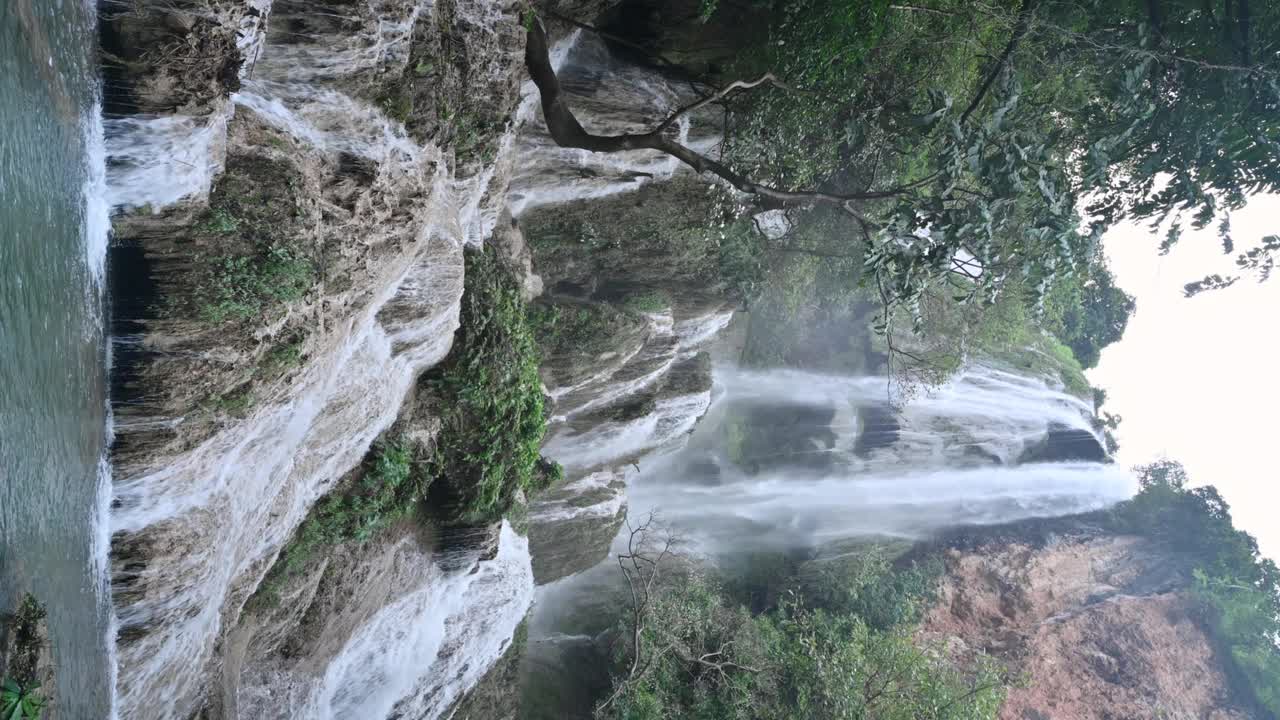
(1004, 330)
(256, 259)
(868, 586)
(489, 447)
(1090, 317)
(706, 658)
(1243, 618)
(577, 328)
(398, 104)
(242, 287)
(978, 130)
(221, 222)
(1238, 588)
(235, 403)
(741, 260)
(20, 702)
(282, 357)
(649, 302)
(707, 8)
(19, 690)
(390, 486)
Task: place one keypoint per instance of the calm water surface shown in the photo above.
(53, 418)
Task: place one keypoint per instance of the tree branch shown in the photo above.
(566, 131)
(1019, 30)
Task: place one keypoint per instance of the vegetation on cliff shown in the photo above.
(20, 696)
(491, 394)
(488, 398)
(1237, 588)
(388, 487)
(838, 642)
(250, 248)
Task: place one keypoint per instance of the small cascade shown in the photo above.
(416, 656)
(641, 401)
(154, 162)
(308, 45)
(609, 97)
(638, 401)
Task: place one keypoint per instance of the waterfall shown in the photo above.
(417, 655)
(209, 522)
(158, 161)
(797, 462)
(969, 453)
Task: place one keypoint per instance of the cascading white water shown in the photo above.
(667, 343)
(918, 482)
(211, 519)
(985, 408)
(670, 418)
(779, 509)
(416, 656)
(158, 161)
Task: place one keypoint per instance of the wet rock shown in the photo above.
(572, 527)
(1064, 444)
(878, 427)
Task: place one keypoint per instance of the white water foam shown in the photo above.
(154, 162)
(921, 481)
(787, 508)
(97, 238)
(419, 655)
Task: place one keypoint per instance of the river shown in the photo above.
(54, 421)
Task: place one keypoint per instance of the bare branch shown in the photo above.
(1019, 30)
(567, 131)
(769, 78)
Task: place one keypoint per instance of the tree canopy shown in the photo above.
(970, 145)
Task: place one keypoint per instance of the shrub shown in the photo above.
(492, 431)
(705, 657)
(19, 696)
(650, 302)
(388, 489)
(257, 257)
(241, 287)
(20, 702)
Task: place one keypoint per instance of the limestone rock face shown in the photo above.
(1099, 627)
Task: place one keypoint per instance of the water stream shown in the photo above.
(54, 419)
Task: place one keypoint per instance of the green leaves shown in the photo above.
(491, 387)
(792, 662)
(1238, 589)
(18, 702)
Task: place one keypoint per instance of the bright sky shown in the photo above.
(1197, 379)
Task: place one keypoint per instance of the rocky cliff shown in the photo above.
(294, 185)
(1096, 627)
